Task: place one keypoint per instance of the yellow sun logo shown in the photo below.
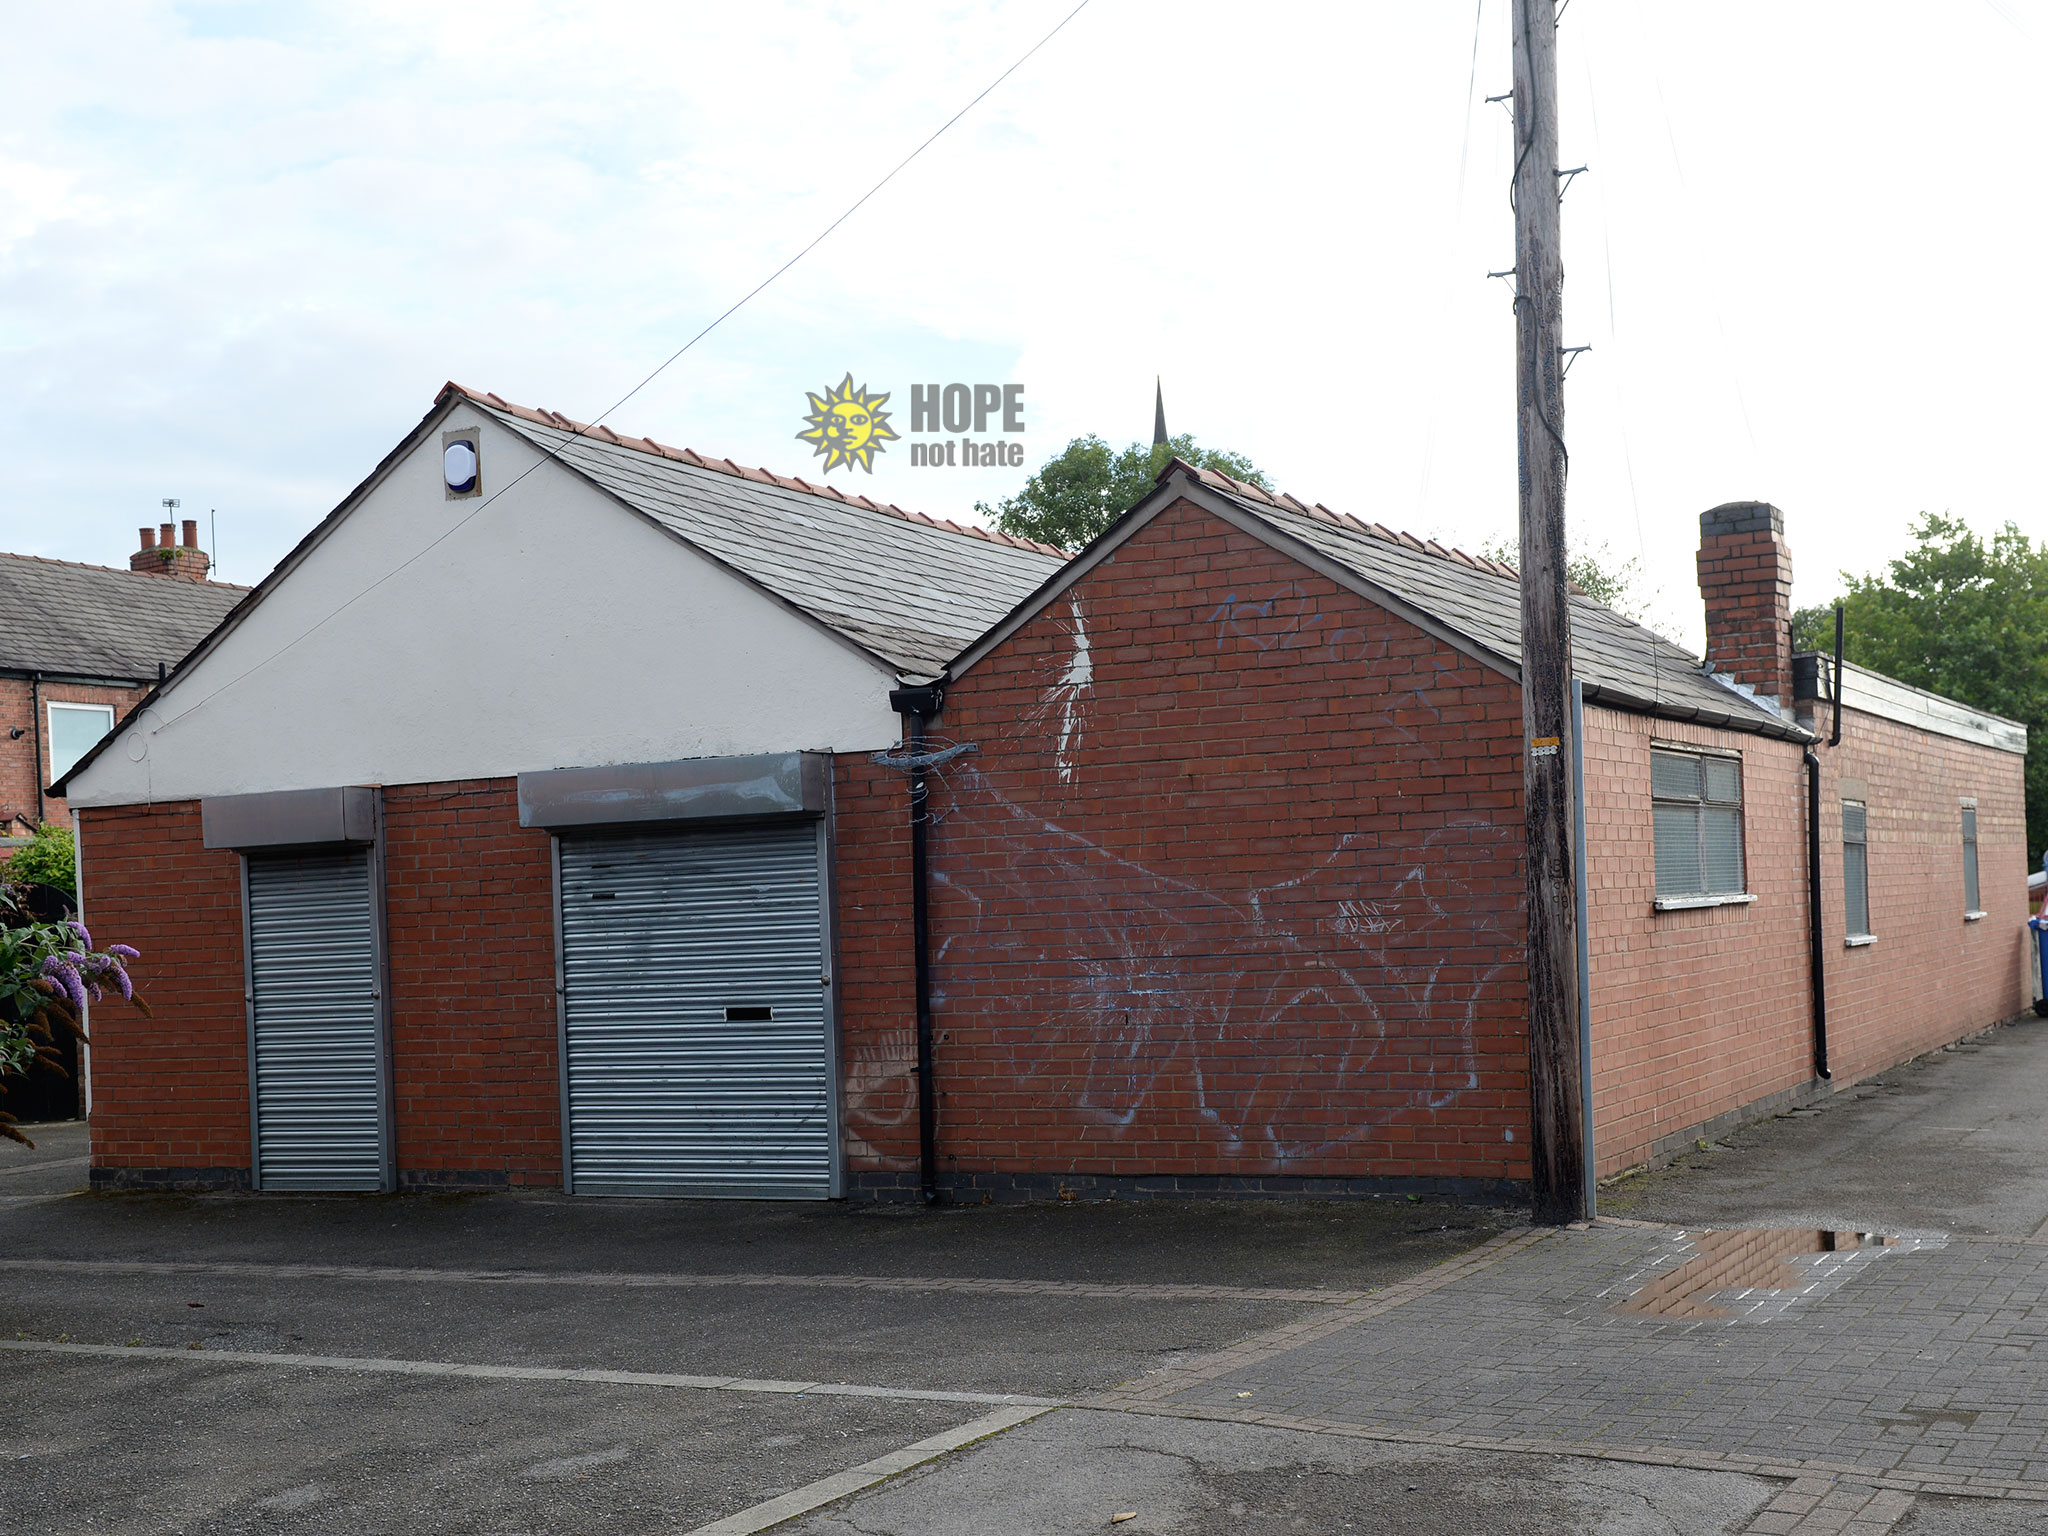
(848, 426)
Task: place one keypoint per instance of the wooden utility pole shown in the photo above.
(1556, 1121)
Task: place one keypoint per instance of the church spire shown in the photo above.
(1158, 413)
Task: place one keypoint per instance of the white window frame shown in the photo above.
(1973, 891)
(50, 707)
(1854, 939)
(1688, 901)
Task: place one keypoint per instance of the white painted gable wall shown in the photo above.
(556, 629)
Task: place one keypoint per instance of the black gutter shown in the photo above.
(917, 705)
(1817, 948)
(1757, 724)
(81, 679)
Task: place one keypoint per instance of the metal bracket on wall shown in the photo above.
(905, 762)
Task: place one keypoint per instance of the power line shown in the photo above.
(554, 453)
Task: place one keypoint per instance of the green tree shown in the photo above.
(1088, 485)
(1595, 571)
(46, 860)
(1960, 617)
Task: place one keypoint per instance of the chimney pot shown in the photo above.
(1745, 570)
(161, 555)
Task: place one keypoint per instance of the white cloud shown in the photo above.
(240, 246)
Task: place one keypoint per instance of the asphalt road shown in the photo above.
(149, 1447)
(1048, 1301)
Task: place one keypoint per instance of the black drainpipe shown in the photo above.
(35, 702)
(1816, 941)
(917, 705)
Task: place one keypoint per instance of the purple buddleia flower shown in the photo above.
(79, 929)
(124, 951)
(123, 985)
(66, 976)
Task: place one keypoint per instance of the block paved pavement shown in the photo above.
(1922, 1366)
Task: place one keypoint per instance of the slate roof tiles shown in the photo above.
(909, 588)
(92, 621)
(1620, 661)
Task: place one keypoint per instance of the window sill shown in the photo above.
(1691, 903)
(1974, 917)
(1859, 940)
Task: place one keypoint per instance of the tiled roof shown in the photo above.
(1619, 661)
(94, 621)
(909, 588)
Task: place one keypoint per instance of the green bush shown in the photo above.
(46, 860)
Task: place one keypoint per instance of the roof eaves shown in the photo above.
(1755, 723)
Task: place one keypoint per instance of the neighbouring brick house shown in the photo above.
(548, 817)
(79, 645)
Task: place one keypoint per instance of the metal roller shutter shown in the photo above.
(693, 1013)
(315, 1035)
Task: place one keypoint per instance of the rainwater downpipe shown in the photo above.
(1816, 937)
(1585, 942)
(35, 702)
(917, 705)
(1816, 946)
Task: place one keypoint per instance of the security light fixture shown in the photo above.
(461, 471)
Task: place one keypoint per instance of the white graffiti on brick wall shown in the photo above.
(1122, 992)
(1070, 694)
(1130, 996)
(1061, 711)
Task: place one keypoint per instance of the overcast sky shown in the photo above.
(242, 245)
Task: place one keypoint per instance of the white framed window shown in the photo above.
(75, 729)
(1856, 870)
(1696, 808)
(1972, 907)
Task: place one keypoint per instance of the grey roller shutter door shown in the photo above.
(693, 1012)
(315, 1021)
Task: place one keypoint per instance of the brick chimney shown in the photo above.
(161, 555)
(1746, 579)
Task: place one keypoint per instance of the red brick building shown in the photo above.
(555, 815)
(79, 644)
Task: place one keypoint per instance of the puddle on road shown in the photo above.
(1759, 1272)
